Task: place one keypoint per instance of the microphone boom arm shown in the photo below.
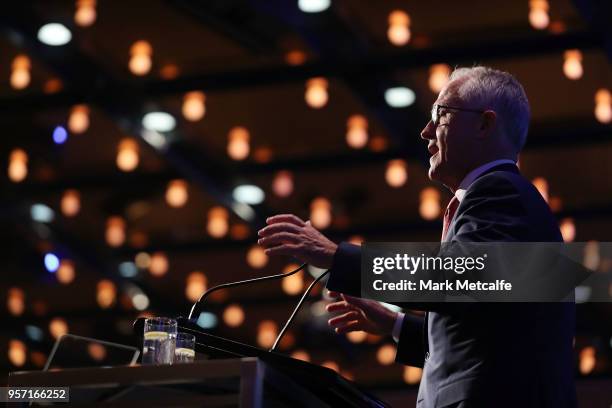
(197, 306)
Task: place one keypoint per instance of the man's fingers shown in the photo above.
(279, 227)
(338, 307)
(277, 239)
(285, 249)
(343, 319)
(333, 294)
(285, 218)
(349, 327)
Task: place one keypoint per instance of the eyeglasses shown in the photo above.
(435, 112)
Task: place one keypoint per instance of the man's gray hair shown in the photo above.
(488, 88)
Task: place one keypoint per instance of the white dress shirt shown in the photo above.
(459, 193)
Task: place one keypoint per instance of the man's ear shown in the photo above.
(488, 122)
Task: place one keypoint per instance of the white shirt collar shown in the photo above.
(473, 175)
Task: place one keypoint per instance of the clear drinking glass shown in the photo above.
(185, 348)
(159, 341)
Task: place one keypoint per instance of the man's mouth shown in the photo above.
(433, 149)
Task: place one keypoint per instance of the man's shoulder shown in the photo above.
(503, 182)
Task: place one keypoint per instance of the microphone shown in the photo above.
(297, 308)
(197, 306)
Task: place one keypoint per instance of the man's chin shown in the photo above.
(434, 173)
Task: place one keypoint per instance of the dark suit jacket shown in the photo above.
(486, 355)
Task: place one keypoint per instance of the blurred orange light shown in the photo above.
(572, 64)
(538, 14)
(557, 27)
(378, 143)
(429, 207)
(357, 131)
(20, 73)
(398, 32)
(195, 286)
(176, 193)
(85, 14)
(397, 173)
(78, 121)
(316, 95)
(140, 58)
(603, 106)
(193, 106)
(15, 301)
(18, 165)
(58, 327)
(412, 375)
(169, 71)
(233, 315)
(127, 155)
(217, 225)
(356, 336)
(256, 257)
(266, 333)
(115, 231)
(587, 360)
(65, 273)
(262, 154)
(159, 264)
(239, 231)
(386, 354)
(106, 293)
(38, 358)
(238, 147)
(96, 351)
(70, 203)
(295, 57)
(439, 75)
(283, 183)
(17, 352)
(294, 284)
(320, 213)
(52, 85)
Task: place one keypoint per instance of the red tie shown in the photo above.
(448, 215)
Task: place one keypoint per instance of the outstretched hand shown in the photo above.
(356, 314)
(287, 234)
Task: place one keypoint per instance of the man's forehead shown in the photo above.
(449, 94)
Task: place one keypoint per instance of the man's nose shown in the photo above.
(429, 131)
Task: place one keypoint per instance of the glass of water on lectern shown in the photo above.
(185, 348)
(159, 341)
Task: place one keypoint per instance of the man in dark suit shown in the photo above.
(477, 355)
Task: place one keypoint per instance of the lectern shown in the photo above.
(233, 375)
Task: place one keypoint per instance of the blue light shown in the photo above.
(34, 332)
(51, 262)
(207, 320)
(41, 213)
(60, 135)
(128, 269)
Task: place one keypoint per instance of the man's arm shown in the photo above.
(410, 347)
(344, 276)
